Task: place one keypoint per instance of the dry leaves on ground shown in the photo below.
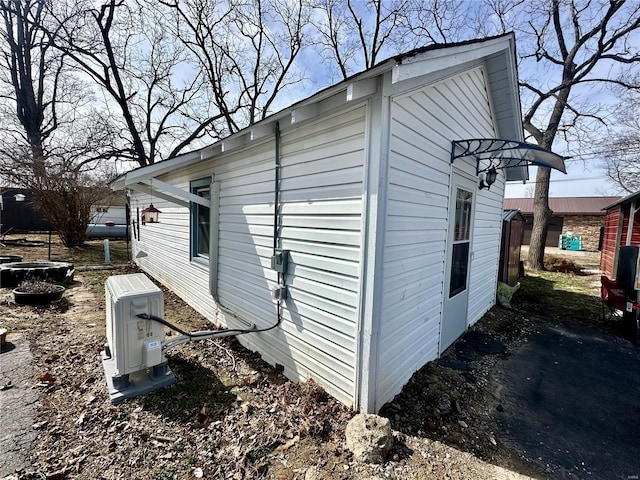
(230, 415)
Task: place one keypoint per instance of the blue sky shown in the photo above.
(580, 181)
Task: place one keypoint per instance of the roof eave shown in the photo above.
(629, 198)
(356, 87)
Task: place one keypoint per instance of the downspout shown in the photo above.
(276, 219)
(213, 247)
(276, 189)
(214, 226)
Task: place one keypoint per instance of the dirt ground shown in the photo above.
(231, 415)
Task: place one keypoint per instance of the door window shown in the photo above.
(460, 247)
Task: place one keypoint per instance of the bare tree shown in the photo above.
(352, 35)
(529, 191)
(438, 21)
(159, 94)
(570, 50)
(355, 35)
(30, 60)
(622, 161)
(621, 147)
(50, 140)
(65, 194)
(246, 49)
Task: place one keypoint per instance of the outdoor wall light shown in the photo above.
(19, 197)
(150, 214)
(487, 178)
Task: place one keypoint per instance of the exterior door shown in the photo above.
(456, 288)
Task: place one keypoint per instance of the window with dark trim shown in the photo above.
(200, 227)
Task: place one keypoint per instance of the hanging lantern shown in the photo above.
(150, 214)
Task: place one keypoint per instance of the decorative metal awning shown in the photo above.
(496, 153)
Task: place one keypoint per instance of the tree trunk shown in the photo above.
(541, 216)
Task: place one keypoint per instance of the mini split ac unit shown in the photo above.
(133, 358)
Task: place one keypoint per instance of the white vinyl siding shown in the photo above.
(320, 223)
(487, 231)
(423, 124)
(321, 194)
(164, 249)
(364, 210)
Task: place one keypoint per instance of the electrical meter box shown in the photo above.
(280, 260)
(135, 343)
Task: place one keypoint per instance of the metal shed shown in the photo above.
(513, 224)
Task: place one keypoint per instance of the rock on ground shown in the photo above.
(369, 438)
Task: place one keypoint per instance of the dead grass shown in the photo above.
(233, 416)
(564, 297)
(91, 254)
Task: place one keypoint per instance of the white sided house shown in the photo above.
(351, 220)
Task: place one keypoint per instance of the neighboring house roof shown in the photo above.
(564, 206)
(628, 199)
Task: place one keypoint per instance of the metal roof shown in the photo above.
(620, 200)
(564, 205)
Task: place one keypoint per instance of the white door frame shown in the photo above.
(455, 307)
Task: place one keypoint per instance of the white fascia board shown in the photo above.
(211, 151)
(306, 112)
(512, 70)
(233, 142)
(160, 168)
(361, 89)
(448, 57)
(516, 106)
(143, 180)
(262, 131)
(118, 183)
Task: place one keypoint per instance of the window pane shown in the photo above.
(459, 264)
(202, 238)
(463, 215)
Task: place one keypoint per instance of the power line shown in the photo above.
(563, 180)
